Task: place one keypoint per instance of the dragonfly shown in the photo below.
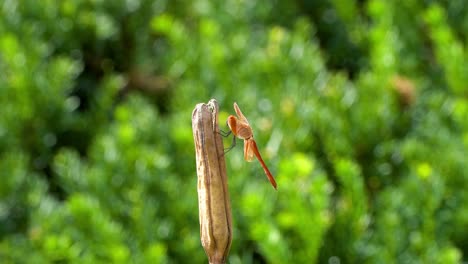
(241, 128)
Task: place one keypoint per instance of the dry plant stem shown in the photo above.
(213, 197)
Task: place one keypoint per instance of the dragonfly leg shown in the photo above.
(224, 133)
(226, 150)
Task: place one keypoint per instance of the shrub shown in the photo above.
(360, 110)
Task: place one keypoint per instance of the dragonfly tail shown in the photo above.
(265, 168)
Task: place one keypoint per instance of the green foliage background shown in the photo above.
(360, 109)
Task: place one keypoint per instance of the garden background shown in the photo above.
(360, 109)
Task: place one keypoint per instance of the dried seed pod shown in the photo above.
(213, 197)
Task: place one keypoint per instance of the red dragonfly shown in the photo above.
(241, 128)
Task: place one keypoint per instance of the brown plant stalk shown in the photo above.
(213, 196)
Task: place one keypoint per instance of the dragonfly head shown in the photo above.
(232, 123)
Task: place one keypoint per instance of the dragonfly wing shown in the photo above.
(239, 113)
(249, 153)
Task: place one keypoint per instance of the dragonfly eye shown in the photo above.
(232, 122)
